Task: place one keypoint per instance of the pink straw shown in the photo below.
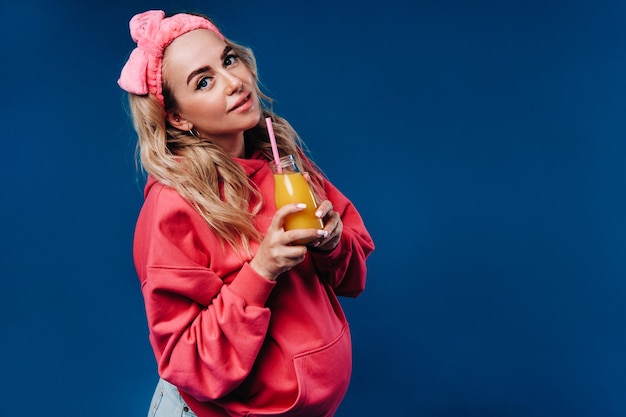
(270, 130)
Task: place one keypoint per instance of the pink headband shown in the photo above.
(153, 32)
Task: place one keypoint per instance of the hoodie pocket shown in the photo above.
(323, 376)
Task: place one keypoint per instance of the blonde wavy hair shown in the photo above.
(195, 168)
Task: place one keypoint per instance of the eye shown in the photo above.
(203, 83)
(230, 59)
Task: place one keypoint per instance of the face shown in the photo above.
(214, 91)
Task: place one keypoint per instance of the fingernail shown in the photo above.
(316, 244)
(318, 213)
(322, 233)
(301, 205)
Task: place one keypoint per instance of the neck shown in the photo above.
(235, 147)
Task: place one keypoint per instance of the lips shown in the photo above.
(242, 103)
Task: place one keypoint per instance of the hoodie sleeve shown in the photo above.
(344, 267)
(205, 329)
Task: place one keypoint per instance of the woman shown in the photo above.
(243, 321)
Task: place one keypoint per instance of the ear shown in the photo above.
(179, 122)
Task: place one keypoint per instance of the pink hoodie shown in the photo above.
(233, 342)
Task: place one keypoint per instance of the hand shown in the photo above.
(333, 226)
(277, 253)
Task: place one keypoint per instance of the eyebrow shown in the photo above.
(206, 68)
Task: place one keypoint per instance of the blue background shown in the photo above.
(483, 142)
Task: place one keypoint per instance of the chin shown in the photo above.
(255, 119)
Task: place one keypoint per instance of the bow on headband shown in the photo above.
(153, 32)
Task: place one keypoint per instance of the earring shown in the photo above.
(195, 135)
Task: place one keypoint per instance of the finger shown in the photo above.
(332, 228)
(303, 236)
(279, 217)
(334, 236)
(324, 209)
(331, 222)
(293, 255)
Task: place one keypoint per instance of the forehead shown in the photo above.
(193, 49)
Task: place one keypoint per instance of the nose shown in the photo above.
(232, 82)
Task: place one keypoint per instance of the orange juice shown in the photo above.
(291, 187)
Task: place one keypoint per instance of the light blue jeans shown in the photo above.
(167, 402)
